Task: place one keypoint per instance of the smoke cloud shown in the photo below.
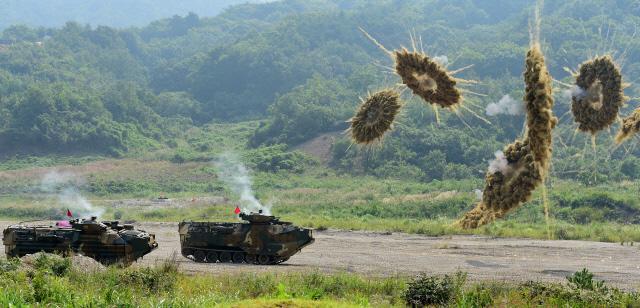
(506, 105)
(442, 60)
(499, 164)
(233, 173)
(478, 194)
(574, 91)
(64, 185)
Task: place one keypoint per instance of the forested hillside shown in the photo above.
(299, 67)
(115, 13)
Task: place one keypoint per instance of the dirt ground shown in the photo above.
(377, 254)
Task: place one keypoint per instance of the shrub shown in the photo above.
(476, 298)
(582, 291)
(427, 290)
(50, 289)
(52, 264)
(583, 280)
(9, 265)
(276, 158)
(153, 279)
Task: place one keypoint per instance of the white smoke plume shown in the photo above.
(574, 91)
(499, 164)
(478, 193)
(64, 185)
(506, 105)
(233, 173)
(442, 60)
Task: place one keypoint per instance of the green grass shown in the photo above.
(319, 197)
(165, 286)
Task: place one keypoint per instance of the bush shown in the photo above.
(457, 172)
(276, 158)
(50, 289)
(153, 279)
(582, 291)
(427, 290)
(476, 298)
(583, 280)
(52, 264)
(9, 265)
(631, 167)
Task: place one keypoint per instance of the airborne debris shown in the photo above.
(630, 126)
(598, 95)
(527, 160)
(427, 78)
(375, 117)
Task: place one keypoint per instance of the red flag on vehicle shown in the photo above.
(237, 211)
(69, 213)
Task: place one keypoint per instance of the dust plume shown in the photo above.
(574, 91)
(442, 60)
(499, 164)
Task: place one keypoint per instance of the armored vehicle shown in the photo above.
(108, 242)
(261, 239)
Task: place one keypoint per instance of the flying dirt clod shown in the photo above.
(600, 96)
(375, 117)
(527, 160)
(426, 78)
(630, 126)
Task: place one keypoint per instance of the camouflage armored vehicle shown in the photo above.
(108, 242)
(261, 240)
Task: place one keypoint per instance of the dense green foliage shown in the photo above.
(114, 13)
(300, 66)
(261, 79)
(427, 290)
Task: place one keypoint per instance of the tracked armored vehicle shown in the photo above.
(261, 239)
(108, 242)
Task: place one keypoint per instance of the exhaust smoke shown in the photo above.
(64, 185)
(236, 175)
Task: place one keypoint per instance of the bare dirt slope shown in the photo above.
(320, 147)
(484, 258)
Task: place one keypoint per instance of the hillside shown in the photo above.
(101, 90)
(113, 13)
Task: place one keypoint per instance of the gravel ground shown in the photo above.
(379, 254)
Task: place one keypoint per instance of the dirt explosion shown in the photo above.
(375, 116)
(425, 76)
(598, 95)
(527, 161)
(630, 126)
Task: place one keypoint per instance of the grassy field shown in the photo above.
(312, 195)
(50, 281)
(320, 198)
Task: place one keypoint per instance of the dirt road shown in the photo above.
(484, 258)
